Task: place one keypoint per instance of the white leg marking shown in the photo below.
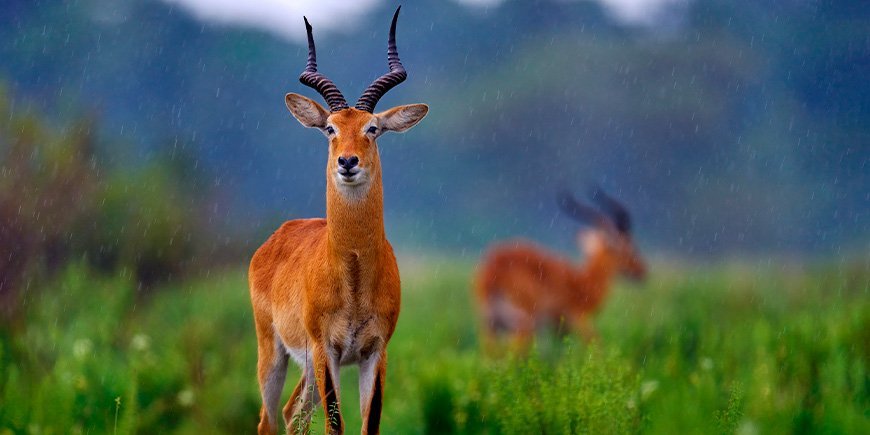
(333, 411)
(505, 316)
(274, 383)
(334, 365)
(300, 355)
(368, 372)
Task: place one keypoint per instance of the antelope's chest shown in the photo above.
(357, 325)
(352, 338)
(361, 324)
(358, 308)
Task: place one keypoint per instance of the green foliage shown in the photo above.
(60, 202)
(717, 350)
(575, 394)
(71, 361)
(90, 361)
(302, 422)
(144, 223)
(728, 418)
(47, 185)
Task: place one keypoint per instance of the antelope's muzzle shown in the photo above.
(348, 168)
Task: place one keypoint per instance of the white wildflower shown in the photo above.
(186, 397)
(140, 342)
(647, 388)
(82, 348)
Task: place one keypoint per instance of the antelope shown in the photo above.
(520, 286)
(326, 292)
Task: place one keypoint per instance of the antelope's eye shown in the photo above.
(330, 130)
(372, 130)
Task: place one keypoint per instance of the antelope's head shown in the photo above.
(607, 232)
(352, 131)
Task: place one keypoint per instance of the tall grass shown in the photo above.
(725, 349)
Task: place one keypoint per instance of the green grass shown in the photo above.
(732, 348)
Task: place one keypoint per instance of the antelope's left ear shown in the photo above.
(306, 111)
(402, 118)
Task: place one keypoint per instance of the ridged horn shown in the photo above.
(319, 82)
(614, 209)
(384, 83)
(581, 213)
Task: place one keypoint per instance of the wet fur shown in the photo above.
(326, 292)
(520, 286)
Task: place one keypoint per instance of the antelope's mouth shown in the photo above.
(350, 177)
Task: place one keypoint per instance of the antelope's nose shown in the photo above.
(348, 163)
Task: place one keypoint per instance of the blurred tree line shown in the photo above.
(62, 199)
(727, 127)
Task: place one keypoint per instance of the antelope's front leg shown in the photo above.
(326, 376)
(372, 374)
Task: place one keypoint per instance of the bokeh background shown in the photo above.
(147, 142)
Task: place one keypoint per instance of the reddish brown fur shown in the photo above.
(520, 286)
(329, 286)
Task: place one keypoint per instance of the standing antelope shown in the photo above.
(521, 286)
(326, 292)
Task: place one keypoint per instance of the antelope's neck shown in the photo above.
(355, 226)
(596, 274)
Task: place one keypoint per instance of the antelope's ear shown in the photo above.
(402, 118)
(306, 111)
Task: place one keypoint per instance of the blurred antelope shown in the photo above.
(521, 286)
(326, 292)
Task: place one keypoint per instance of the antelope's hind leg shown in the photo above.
(271, 372)
(491, 326)
(326, 377)
(372, 374)
(515, 322)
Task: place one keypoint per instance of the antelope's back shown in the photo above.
(504, 261)
(522, 272)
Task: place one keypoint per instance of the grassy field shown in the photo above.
(733, 348)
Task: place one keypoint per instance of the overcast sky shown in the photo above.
(635, 12)
(281, 16)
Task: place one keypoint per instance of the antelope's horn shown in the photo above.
(384, 83)
(581, 213)
(614, 209)
(319, 82)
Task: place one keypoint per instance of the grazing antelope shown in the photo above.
(326, 292)
(521, 286)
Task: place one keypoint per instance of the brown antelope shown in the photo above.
(521, 286)
(326, 292)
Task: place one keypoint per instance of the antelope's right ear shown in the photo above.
(401, 118)
(306, 111)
